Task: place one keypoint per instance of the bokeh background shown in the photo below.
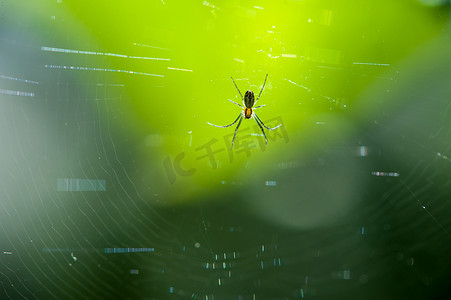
(113, 185)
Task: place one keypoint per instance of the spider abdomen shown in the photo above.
(249, 99)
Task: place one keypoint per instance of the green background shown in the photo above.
(110, 151)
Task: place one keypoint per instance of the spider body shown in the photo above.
(248, 111)
(249, 100)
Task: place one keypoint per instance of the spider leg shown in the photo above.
(236, 129)
(237, 88)
(256, 120)
(226, 125)
(236, 103)
(269, 128)
(261, 89)
(259, 106)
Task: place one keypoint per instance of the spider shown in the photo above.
(248, 111)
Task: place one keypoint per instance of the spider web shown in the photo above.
(78, 217)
